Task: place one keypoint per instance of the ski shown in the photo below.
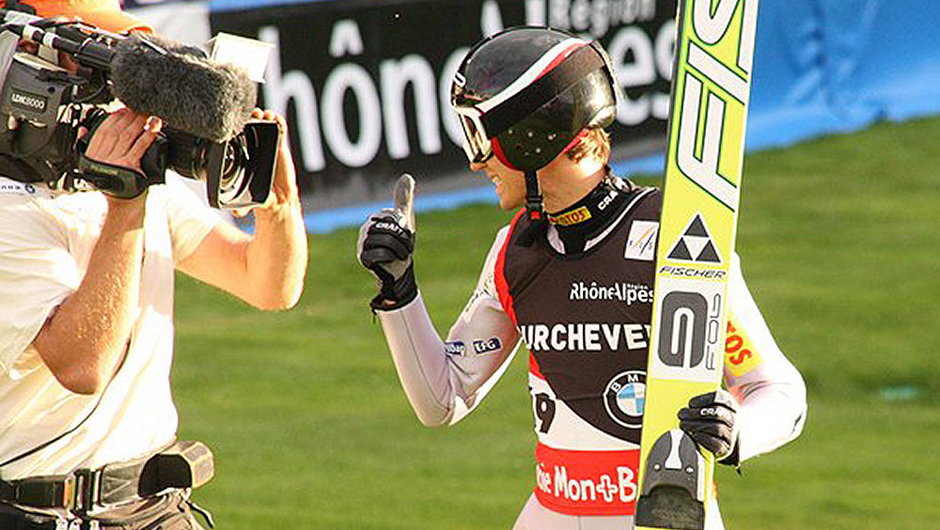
(705, 155)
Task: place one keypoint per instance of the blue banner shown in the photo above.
(821, 66)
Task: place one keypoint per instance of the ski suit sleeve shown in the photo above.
(446, 380)
(768, 388)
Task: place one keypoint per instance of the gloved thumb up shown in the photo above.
(385, 247)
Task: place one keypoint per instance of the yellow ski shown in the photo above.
(711, 88)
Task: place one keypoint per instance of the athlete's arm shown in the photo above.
(769, 390)
(444, 381)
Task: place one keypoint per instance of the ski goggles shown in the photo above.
(477, 144)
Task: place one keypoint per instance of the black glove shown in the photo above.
(709, 420)
(385, 247)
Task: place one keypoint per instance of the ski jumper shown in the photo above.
(584, 316)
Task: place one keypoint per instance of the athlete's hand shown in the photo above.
(385, 247)
(709, 420)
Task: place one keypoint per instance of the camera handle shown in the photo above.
(120, 181)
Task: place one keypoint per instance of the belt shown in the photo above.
(183, 465)
(18, 522)
(79, 491)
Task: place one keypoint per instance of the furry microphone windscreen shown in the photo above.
(176, 82)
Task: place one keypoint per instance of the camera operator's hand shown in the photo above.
(284, 192)
(385, 247)
(121, 140)
(265, 268)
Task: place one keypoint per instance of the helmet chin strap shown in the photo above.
(533, 206)
(533, 196)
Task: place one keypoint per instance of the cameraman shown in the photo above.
(86, 329)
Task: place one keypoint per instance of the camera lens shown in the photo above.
(237, 173)
(235, 168)
(187, 154)
(234, 162)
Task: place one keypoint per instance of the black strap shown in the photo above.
(533, 206)
(45, 492)
(47, 443)
(80, 491)
(74, 428)
(17, 521)
(182, 465)
(533, 194)
(117, 181)
(574, 68)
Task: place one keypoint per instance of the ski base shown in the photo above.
(673, 491)
(670, 507)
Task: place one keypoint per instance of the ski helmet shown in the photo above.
(527, 93)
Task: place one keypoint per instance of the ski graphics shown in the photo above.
(711, 88)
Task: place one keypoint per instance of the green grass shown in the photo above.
(839, 242)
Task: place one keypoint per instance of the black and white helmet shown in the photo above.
(526, 94)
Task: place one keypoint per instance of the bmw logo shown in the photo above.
(625, 398)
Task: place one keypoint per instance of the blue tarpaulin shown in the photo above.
(825, 66)
(830, 66)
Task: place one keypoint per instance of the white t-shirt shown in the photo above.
(45, 245)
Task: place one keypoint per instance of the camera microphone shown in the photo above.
(178, 83)
(206, 106)
(156, 75)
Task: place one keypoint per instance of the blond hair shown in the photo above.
(595, 144)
